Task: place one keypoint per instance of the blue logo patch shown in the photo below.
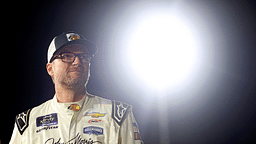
(93, 130)
(47, 120)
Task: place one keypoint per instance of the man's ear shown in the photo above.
(49, 69)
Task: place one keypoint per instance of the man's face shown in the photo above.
(72, 75)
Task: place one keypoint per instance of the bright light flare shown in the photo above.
(162, 51)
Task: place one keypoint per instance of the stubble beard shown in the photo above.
(71, 82)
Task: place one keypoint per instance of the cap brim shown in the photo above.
(91, 47)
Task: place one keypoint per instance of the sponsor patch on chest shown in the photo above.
(95, 121)
(47, 120)
(95, 114)
(93, 130)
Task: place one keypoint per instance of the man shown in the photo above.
(73, 115)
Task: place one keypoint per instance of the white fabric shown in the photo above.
(51, 50)
(52, 122)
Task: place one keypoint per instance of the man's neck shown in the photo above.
(67, 95)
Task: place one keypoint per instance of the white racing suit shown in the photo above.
(93, 120)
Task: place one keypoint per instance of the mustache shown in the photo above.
(79, 69)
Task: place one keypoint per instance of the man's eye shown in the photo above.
(68, 56)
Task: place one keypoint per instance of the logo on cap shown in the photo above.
(72, 36)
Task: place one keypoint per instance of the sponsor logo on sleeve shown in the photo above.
(93, 130)
(22, 120)
(119, 111)
(135, 127)
(137, 136)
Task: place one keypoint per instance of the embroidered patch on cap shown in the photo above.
(72, 36)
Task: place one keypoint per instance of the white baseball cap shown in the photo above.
(69, 38)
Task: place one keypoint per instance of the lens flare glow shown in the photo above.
(162, 50)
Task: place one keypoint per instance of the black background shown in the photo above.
(229, 115)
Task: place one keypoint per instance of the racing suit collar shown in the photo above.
(64, 107)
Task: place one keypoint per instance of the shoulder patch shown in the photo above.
(22, 120)
(119, 111)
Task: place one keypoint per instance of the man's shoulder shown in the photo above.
(41, 108)
(22, 119)
(101, 100)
